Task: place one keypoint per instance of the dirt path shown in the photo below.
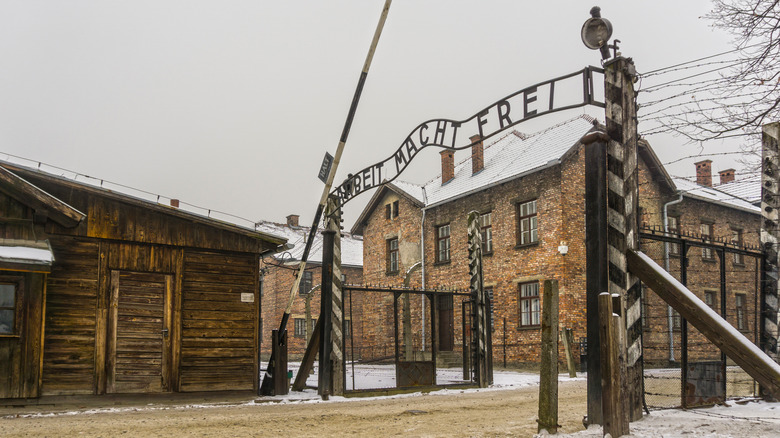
(486, 413)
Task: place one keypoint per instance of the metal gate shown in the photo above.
(392, 338)
(683, 368)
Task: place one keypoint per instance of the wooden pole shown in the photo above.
(324, 381)
(615, 421)
(622, 233)
(548, 378)
(568, 338)
(596, 261)
(333, 223)
(770, 238)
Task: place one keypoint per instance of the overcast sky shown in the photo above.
(231, 105)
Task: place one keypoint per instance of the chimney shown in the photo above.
(447, 165)
(726, 176)
(292, 220)
(175, 203)
(477, 154)
(704, 173)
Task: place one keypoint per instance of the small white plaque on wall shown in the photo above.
(247, 298)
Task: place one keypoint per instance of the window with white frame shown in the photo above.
(527, 223)
(443, 243)
(392, 255)
(674, 229)
(736, 240)
(300, 327)
(529, 304)
(706, 235)
(306, 282)
(739, 310)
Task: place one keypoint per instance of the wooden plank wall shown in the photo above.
(219, 333)
(72, 291)
(110, 219)
(15, 219)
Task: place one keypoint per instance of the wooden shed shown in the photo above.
(101, 292)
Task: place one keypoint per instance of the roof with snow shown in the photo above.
(510, 157)
(351, 246)
(747, 188)
(723, 194)
(30, 255)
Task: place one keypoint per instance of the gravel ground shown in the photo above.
(445, 413)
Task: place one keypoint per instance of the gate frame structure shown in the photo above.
(433, 296)
(721, 247)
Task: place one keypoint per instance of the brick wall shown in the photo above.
(704, 276)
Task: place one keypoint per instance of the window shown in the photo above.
(736, 240)
(343, 279)
(300, 327)
(443, 243)
(486, 230)
(674, 228)
(676, 320)
(527, 223)
(529, 304)
(8, 309)
(391, 210)
(706, 235)
(740, 311)
(489, 293)
(709, 299)
(392, 256)
(306, 283)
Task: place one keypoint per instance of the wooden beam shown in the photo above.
(38, 200)
(568, 338)
(307, 363)
(730, 341)
(548, 384)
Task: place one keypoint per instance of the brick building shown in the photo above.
(727, 214)
(278, 272)
(530, 190)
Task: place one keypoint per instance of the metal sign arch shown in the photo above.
(534, 101)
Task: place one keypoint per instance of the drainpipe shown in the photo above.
(669, 315)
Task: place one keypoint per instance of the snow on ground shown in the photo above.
(734, 419)
(383, 377)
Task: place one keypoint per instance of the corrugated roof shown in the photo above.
(351, 246)
(747, 188)
(510, 156)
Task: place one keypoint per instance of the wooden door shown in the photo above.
(139, 333)
(446, 335)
